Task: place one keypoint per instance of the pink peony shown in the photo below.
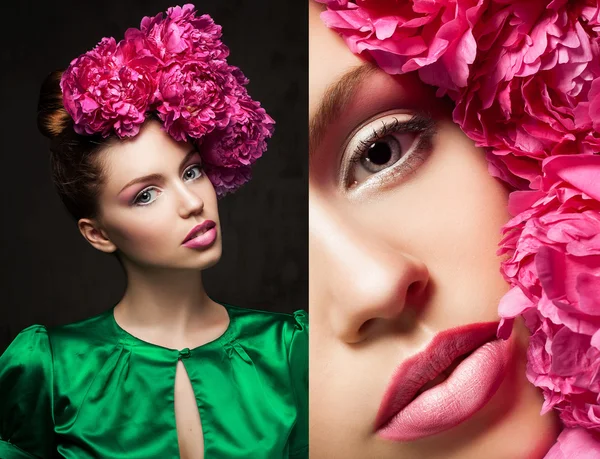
(174, 66)
(226, 180)
(554, 270)
(196, 97)
(110, 87)
(575, 444)
(182, 33)
(244, 140)
(435, 38)
(530, 85)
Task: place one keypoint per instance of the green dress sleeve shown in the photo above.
(26, 427)
(298, 361)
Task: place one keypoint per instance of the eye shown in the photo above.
(386, 148)
(192, 173)
(145, 197)
(383, 153)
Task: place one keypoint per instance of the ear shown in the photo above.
(95, 235)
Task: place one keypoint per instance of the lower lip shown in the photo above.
(468, 389)
(203, 240)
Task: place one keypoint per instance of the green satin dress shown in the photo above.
(92, 390)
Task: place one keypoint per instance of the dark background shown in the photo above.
(50, 274)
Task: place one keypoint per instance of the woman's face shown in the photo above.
(155, 194)
(404, 225)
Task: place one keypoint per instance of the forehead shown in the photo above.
(148, 152)
(329, 58)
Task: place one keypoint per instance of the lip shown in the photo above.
(405, 414)
(207, 236)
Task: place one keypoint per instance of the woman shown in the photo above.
(145, 134)
(404, 226)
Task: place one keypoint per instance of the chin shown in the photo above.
(209, 258)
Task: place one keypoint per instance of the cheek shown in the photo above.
(141, 231)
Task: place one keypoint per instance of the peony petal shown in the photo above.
(581, 171)
(576, 443)
(588, 287)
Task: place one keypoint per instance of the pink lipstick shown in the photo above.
(444, 385)
(201, 236)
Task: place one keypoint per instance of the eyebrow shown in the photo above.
(336, 98)
(157, 177)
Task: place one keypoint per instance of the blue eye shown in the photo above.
(145, 197)
(192, 173)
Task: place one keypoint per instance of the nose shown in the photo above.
(190, 203)
(360, 280)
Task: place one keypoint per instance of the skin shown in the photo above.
(165, 302)
(397, 258)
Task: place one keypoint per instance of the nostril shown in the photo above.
(416, 290)
(366, 326)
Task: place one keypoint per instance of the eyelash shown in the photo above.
(136, 202)
(420, 124)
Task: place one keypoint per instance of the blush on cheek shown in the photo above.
(144, 240)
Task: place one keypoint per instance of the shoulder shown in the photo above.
(37, 349)
(89, 332)
(284, 333)
(28, 352)
(254, 319)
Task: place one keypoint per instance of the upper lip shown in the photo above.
(204, 226)
(418, 370)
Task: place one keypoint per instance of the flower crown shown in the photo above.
(174, 66)
(525, 79)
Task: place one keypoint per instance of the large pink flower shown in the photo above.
(244, 140)
(182, 33)
(110, 88)
(433, 37)
(226, 180)
(195, 98)
(530, 85)
(575, 443)
(174, 66)
(554, 270)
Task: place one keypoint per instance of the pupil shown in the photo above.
(144, 195)
(379, 153)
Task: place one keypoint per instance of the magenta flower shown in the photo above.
(195, 98)
(182, 33)
(174, 66)
(575, 443)
(110, 87)
(226, 180)
(554, 270)
(244, 140)
(530, 86)
(435, 38)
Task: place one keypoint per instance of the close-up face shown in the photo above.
(157, 206)
(404, 224)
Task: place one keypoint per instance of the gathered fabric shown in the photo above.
(91, 390)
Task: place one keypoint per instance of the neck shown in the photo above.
(172, 300)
